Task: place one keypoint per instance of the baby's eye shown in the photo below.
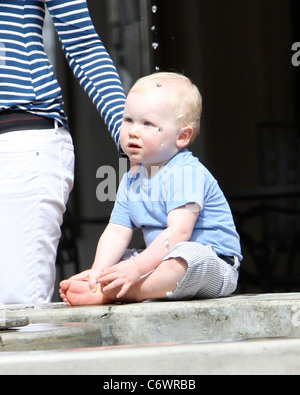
(148, 124)
(128, 120)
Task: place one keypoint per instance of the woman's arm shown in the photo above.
(89, 60)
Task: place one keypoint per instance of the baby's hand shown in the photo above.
(124, 275)
(94, 276)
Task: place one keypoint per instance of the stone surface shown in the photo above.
(37, 337)
(11, 322)
(238, 317)
(259, 357)
(246, 334)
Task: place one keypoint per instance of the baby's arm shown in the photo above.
(181, 223)
(111, 247)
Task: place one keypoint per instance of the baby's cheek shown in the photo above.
(153, 145)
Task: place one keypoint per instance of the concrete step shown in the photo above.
(12, 322)
(235, 318)
(259, 357)
(37, 337)
(244, 334)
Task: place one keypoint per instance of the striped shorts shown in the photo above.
(208, 276)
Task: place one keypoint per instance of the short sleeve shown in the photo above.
(183, 185)
(120, 214)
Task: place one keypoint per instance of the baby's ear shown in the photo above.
(184, 138)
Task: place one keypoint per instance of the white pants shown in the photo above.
(36, 178)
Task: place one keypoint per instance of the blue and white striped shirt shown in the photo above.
(27, 81)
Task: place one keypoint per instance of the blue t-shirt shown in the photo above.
(145, 203)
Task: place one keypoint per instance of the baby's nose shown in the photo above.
(134, 131)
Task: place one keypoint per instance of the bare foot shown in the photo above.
(78, 293)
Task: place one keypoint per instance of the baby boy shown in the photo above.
(192, 247)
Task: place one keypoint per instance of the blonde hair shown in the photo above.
(187, 100)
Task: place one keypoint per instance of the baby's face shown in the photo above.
(149, 130)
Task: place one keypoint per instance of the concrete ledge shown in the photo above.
(268, 357)
(6, 323)
(249, 334)
(50, 337)
(237, 317)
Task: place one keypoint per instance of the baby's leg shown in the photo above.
(155, 286)
(161, 281)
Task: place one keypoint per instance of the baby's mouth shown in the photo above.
(133, 146)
